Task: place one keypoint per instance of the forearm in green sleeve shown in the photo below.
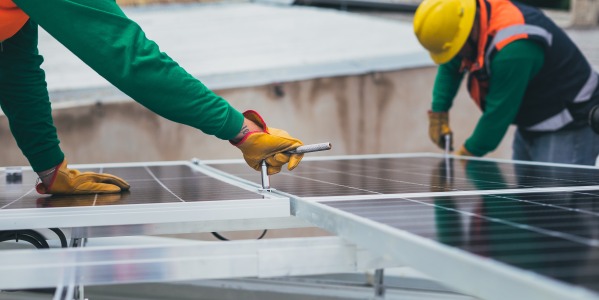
(24, 99)
(512, 69)
(100, 34)
(446, 86)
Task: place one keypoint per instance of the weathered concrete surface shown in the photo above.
(374, 113)
(584, 13)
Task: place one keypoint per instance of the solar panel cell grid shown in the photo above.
(554, 234)
(149, 184)
(413, 175)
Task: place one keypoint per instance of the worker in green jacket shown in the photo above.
(522, 69)
(99, 33)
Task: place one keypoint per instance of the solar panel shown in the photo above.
(553, 234)
(160, 193)
(501, 221)
(149, 184)
(395, 175)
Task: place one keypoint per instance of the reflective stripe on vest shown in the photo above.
(564, 117)
(553, 123)
(503, 37)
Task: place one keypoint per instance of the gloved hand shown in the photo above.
(464, 152)
(71, 181)
(438, 128)
(269, 144)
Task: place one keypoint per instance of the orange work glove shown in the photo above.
(71, 181)
(464, 152)
(438, 128)
(268, 144)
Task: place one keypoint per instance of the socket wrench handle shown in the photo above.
(311, 148)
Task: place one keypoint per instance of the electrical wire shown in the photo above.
(61, 236)
(222, 238)
(31, 236)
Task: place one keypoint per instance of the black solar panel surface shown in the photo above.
(149, 184)
(413, 175)
(554, 234)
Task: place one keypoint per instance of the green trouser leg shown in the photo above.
(100, 34)
(24, 99)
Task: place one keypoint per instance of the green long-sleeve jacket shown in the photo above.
(512, 68)
(101, 35)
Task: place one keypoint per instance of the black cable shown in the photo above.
(16, 236)
(39, 237)
(30, 236)
(30, 239)
(222, 238)
(35, 239)
(61, 236)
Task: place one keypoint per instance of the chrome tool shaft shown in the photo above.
(298, 150)
(311, 148)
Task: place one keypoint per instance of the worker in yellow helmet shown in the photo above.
(101, 35)
(522, 69)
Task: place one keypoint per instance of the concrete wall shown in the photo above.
(584, 13)
(374, 113)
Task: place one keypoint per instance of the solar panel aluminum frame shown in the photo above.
(191, 261)
(148, 219)
(180, 227)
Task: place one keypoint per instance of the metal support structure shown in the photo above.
(379, 286)
(179, 262)
(75, 290)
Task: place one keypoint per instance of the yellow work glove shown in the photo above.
(464, 152)
(438, 128)
(70, 181)
(268, 144)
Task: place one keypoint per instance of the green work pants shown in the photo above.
(99, 33)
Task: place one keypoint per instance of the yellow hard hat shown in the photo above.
(443, 26)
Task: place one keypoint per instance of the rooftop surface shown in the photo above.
(247, 44)
(230, 45)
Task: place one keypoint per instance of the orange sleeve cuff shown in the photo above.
(12, 20)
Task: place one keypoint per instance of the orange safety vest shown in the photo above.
(494, 16)
(12, 19)
(558, 95)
